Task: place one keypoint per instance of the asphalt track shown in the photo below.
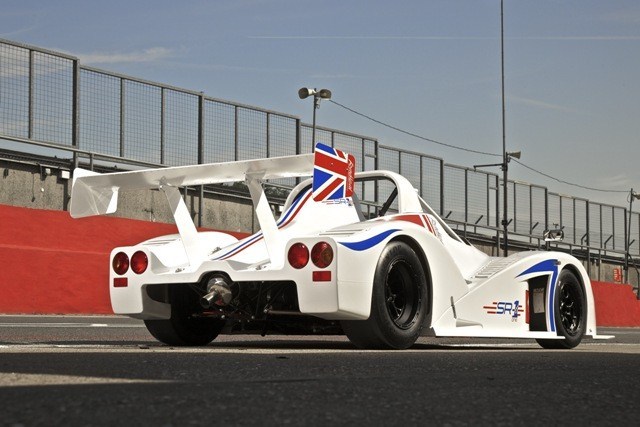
(109, 371)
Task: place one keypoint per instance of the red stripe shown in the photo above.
(429, 226)
(527, 305)
(330, 189)
(297, 210)
(410, 218)
(330, 163)
(491, 312)
(236, 253)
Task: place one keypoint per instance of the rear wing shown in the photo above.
(97, 194)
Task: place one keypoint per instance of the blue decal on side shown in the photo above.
(370, 242)
(551, 266)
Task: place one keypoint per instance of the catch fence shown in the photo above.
(50, 99)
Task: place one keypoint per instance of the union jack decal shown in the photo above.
(333, 173)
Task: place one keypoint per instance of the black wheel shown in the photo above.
(183, 329)
(399, 302)
(570, 312)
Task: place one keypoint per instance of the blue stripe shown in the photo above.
(549, 265)
(370, 242)
(338, 194)
(322, 147)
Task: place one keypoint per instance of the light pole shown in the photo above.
(306, 92)
(632, 195)
(507, 156)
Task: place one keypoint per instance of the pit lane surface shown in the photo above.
(108, 370)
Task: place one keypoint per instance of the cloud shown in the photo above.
(618, 181)
(628, 16)
(31, 21)
(148, 55)
(542, 104)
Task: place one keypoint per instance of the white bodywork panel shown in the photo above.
(472, 294)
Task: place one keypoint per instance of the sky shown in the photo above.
(430, 67)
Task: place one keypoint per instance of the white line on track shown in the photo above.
(29, 380)
(231, 349)
(67, 325)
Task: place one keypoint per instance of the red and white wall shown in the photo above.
(53, 264)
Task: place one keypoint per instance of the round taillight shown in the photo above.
(120, 263)
(139, 262)
(298, 255)
(322, 254)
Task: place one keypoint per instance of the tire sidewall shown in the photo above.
(384, 327)
(568, 278)
(182, 329)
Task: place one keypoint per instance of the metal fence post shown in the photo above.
(298, 137)
(613, 228)
(575, 229)
(122, 117)
(75, 121)
(268, 135)
(627, 253)
(530, 214)
(488, 199)
(498, 214)
(466, 198)
(201, 159)
(163, 104)
(441, 187)
(235, 133)
(31, 95)
(546, 209)
(588, 238)
(515, 209)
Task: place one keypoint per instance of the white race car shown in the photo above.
(324, 267)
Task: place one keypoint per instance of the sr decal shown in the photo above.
(513, 309)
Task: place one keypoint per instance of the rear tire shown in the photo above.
(399, 302)
(183, 329)
(570, 313)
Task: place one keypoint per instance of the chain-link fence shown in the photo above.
(47, 96)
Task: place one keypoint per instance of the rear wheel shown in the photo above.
(399, 302)
(570, 313)
(183, 328)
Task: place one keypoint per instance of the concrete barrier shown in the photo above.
(616, 305)
(53, 264)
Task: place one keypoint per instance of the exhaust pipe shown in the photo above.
(218, 292)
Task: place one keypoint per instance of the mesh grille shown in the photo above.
(14, 91)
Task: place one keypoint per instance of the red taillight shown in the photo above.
(322, 254)
(120, 263)
(298, 255)
(139, 262)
